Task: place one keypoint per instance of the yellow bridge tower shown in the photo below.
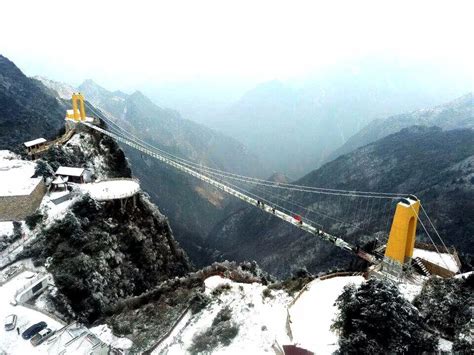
(77, 113)
(401, 241)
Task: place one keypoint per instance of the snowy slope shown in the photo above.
(262, 321)
(268, 323)
(313, 312)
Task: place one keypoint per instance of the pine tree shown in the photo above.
(376, 319)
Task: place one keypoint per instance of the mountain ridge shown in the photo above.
(458, 113)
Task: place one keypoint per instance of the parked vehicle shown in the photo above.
(10, 322)
(35, 328)
(41, 336)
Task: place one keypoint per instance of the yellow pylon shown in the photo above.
(401, 241)
(78, 113)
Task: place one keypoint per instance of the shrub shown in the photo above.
(221, 289)
(222, 331)
(16, 230)
(444, 303)
(376, 319)
(463, 341)
(43, 169)
(267, 293)
(199, 302)
(224, 315)
(85, 207)
(33, 220)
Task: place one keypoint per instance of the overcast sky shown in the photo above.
(124, 44)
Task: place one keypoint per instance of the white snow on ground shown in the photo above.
(56, 211)
(313, 313)
(444, 260)
(111, 189)
(6, 228)
(411, 288)
(10, 341)
(262, 321)
(7, 154)
(95, 163)
(465, 275)
(15, 175)
(445, 345)
(105, 334)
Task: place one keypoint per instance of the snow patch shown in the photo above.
(445, 345)
(312, 315)
(56, 211)
(104, 333)
(410, 290)
(6, 228)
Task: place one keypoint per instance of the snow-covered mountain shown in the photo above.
(456, 114)
(62, 90)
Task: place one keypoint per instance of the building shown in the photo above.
(35, 146)
(20, 192)
(74, 175)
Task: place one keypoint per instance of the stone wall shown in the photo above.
(17, 208)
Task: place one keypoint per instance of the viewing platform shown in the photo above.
(111, 189)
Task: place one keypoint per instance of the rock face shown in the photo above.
(458, 113)
(28, 110)
(435, 165)
(102, 252)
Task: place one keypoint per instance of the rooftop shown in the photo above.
(34, 142)
(16, 175)
(445, 260)
(69, 171)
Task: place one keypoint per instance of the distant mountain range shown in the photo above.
(458, 113)
(435, 165)
(295, 127)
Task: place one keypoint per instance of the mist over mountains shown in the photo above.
(295, 125)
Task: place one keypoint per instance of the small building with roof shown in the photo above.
(20, 192)
(66, 174)
(35, 146)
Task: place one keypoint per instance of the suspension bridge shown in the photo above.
(277, 198)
